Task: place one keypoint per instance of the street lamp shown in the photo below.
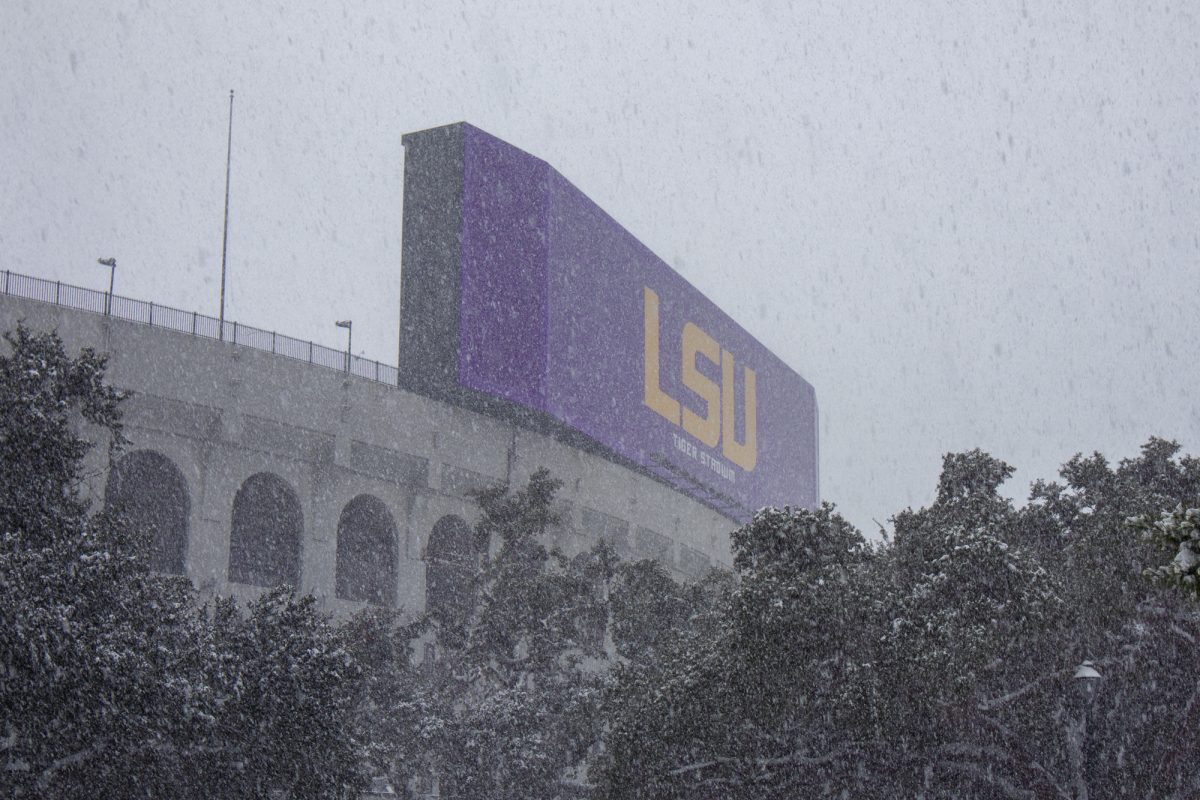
(111, 263)
(1086, 684)
(1087, 679)
(349, 326)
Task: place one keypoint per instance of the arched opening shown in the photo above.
(366, 552)
(264, 539)
(150, 491)
(449, 569)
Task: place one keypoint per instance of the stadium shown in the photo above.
(534, 332)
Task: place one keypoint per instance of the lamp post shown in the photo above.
(1086, 684)
(111, 263)
(349, 326)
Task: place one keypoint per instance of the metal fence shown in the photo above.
(196, 324)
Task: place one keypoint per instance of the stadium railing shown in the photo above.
(196, 324)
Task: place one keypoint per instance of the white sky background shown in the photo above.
(967, 228)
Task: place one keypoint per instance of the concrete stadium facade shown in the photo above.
(218, 421)
(535, 332)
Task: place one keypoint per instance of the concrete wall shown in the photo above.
(222, 412)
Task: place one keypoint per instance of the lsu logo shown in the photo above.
(716, 424)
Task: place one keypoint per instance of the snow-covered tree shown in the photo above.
(964, 654)
(1177, 531)
(938, 665)
(112, 682)
(1144, 638)
(394, 701)
(514, 711)
(94, 700)
(757, 704)
(286, 687)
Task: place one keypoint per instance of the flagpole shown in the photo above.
(225, 232)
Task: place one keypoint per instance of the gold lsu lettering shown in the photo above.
(717, 422)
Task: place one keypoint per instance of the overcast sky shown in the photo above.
(965, 228)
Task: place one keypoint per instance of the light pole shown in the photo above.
(111, 263)
(1086, 683)
(349, 326)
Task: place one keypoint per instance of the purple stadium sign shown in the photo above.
(562, 310)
